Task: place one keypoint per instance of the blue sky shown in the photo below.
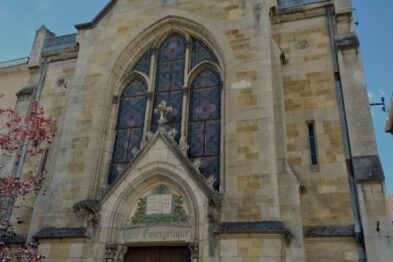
(19, 19)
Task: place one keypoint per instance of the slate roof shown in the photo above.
(284, 4)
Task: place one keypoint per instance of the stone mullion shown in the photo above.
(186, 91)
(150, 90)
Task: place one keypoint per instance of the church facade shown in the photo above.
(212, 130)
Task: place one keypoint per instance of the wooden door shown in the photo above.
(158, 254)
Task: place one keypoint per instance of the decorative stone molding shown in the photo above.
(197, 164)
(134, 151)
(211, 180)
(92, 207)
(194, 250)
(115, 253)
(178, 215)
(214, 211)
(184, 147)
(146, 138)
(172, 133)
(191, 167)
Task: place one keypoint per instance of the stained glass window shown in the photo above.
(204, 122)
(129, 131)
(170, 80)
(143, 64)
(200, 53)
(204, 100)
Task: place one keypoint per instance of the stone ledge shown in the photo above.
(330, 231)
(14, 240)
(66, 232)
(367, 168)
(26, 91)
(347, 42)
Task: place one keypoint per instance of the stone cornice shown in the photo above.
(348, 41)
(331, 231)
(253, 227)
(26, 91)
(65, 232)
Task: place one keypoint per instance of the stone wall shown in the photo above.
(278, 76)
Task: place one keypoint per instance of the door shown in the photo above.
(158, 254)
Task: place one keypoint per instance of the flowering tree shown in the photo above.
(19, 137)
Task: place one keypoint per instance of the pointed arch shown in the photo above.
(130, 63)
(129, 127)
(204, 122)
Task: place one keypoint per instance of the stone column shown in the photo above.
(115, 253)
(194, 249)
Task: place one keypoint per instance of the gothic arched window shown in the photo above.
(204, 122)
(170, 80)
(169, 69)
(130, 123)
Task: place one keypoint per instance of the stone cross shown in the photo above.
(162, 110)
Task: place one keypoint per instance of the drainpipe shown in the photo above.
(347, 145)
(23, 151)
(36, 98)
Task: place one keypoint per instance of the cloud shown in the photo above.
(370, 95)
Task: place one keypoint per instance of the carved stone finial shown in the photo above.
(146, 138)
(134, 152)
(194, 250)
(214, 211)
(197, 164)
(162, 110)
(103, 189)
(92, 207)
(183, 145)
(172, 133)
(210, 181)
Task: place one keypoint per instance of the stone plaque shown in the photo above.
(156, 234)
(159, 205)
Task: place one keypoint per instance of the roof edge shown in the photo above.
(97, 18)
(14, 62)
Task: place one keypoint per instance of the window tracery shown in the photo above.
(130, 125)
(196, 108)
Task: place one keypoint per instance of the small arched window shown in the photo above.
(170, 67)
